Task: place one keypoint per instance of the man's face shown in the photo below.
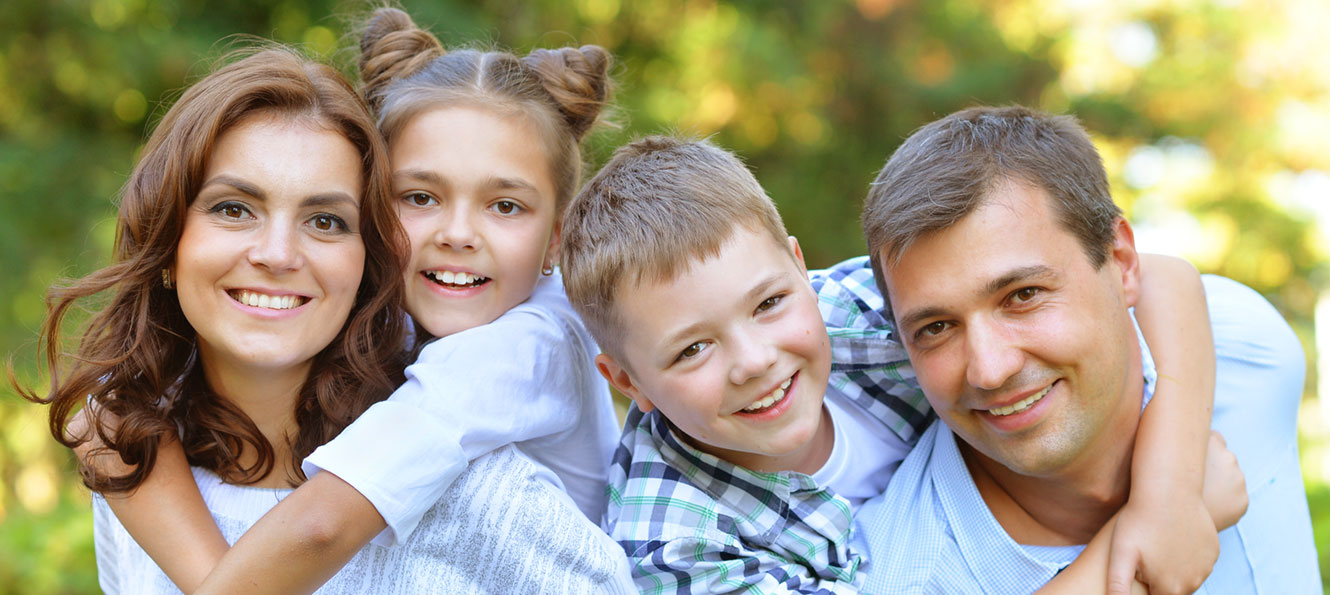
(1021, 345)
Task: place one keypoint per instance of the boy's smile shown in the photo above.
(734, 353)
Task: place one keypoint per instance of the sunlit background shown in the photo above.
(1213, 118)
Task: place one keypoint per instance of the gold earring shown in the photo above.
(166, 279)
(547, 270)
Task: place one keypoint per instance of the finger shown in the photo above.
(1122, 562)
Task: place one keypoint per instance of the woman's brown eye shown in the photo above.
(233, 211)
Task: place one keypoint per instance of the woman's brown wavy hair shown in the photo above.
(136, 358)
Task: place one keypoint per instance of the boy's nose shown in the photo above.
(752, 359)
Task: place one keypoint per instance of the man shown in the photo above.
(1009, 273)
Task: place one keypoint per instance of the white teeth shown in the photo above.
(1021, 405)
(771, 399)
(271, 302)
(453, 278)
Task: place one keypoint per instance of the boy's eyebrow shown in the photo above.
(758, 290)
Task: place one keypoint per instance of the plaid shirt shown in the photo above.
(693, 523)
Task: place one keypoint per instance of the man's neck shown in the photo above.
(1070, 505)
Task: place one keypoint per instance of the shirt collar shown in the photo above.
(759, 498)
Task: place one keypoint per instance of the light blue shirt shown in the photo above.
(931, 532)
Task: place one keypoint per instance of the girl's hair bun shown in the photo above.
(578, 80)
(392, 47)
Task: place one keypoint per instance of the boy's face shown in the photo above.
(734, 353)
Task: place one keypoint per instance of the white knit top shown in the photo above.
(503, 527)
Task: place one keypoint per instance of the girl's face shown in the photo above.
(475, 195)
(270, 258)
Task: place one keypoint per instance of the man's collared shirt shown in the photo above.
(932, 532)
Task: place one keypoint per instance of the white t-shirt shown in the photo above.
(528, 378)
(864, 455)
(503, 527)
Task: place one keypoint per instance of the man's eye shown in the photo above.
(1025, 294)
(934, 328)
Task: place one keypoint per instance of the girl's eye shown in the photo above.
(328, 223)
(506, 207)
(231, 210)
(769, 303)
(420, 199)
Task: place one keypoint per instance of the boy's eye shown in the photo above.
(692, 350)
(769, 303)
(506, 207)
(419, 199)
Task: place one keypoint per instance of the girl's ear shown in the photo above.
(552, 250)
(622, 381)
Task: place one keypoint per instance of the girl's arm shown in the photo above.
(166, 514)
(300, 543)
(1225, 498)
(1164, 534)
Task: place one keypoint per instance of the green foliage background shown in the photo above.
(1213, 117)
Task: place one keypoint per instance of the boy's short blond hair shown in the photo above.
(658, 206)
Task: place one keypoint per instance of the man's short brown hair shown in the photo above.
(947, 168)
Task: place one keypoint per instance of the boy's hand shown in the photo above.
(1225, 487)
(1164, 543)
(1168, 543)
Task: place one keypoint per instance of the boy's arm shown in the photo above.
(166, 514)
(301, 542)
(1164, 535)
(1225, 497)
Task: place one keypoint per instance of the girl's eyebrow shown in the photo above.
(509, 183)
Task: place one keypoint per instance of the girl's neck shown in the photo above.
(268, 397)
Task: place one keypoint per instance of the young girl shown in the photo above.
(484, 154)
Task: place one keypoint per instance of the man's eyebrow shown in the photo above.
(1016, 275)
(995, 285)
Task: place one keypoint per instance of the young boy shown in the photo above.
(747, 409)
(681, 267)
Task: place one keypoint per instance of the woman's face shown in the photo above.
(271, 256)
